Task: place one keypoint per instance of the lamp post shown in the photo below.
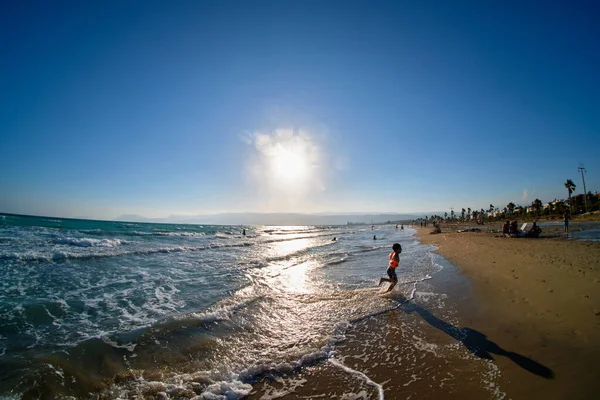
(582, 170)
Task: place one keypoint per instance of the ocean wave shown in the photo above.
(65, 255)
(143, 234)
(187, 234)
(335, 262)
(89, 242)
(32, 255)
(232, 385)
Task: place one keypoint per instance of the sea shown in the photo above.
(116, 310)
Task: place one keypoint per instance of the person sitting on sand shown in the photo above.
(391, 271)
(513, 230)
(334, 239)
(506, 228)
(534, 231)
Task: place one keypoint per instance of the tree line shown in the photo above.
(572, 206)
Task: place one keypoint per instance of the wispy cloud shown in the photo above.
(527, 195)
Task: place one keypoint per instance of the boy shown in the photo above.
(391, 271)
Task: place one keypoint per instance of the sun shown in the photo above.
(287, 168)
(289, 165)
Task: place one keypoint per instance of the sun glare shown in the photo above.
(289, 167)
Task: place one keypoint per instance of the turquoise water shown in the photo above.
(123, 309)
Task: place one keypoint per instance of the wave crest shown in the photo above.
(89, 242)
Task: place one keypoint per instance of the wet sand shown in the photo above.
(541, 297)
(516, 319)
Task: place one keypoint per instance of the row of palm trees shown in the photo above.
(558, 207)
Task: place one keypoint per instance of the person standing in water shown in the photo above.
(391, 271)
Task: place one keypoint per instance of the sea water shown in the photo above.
(105, 309)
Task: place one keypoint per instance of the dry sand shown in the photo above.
(539, 296)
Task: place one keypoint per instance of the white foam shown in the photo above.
(128, 346)
(188, 234)
(289, 386)
(225, 391)
(492, 374)
(90, 242)
(361, 375)
(422, 345)
(355, 396)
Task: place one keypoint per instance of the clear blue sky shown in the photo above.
(159, 108)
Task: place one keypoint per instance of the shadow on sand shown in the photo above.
(478, 343)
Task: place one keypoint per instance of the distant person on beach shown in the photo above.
(334, 239)
(401, 227)
(374, 237)
(566, 223)
(391, 271)
(244, 232)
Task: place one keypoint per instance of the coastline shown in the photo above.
(540, 296)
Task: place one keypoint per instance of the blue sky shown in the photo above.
(160, 108)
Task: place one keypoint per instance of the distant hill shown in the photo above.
(274, 218)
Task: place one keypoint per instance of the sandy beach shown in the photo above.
(540, 297)
(526, 312)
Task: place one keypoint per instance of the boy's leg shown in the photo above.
(393, 278)
(392, 285)
(383, 280)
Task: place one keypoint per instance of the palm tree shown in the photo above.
(550, 208)
(537, 206)
(560, 207)
(491, 211)
(511, 207)
(570, 185)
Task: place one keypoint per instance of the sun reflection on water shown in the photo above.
(287, 247)
(293, 277)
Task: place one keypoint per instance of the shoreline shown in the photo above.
(538, 295)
